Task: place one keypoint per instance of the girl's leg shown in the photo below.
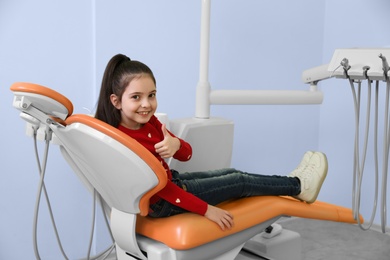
(217, 186)
(202, 175)
(303, 183)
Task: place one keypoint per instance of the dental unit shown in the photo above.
(124, 191)
(132, 175)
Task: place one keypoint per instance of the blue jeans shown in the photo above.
(217, 186)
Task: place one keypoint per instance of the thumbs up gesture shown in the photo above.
(168, 146)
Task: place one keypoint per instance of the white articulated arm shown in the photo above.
(206, 96)
(316, 74)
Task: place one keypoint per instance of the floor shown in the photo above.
(338, 241)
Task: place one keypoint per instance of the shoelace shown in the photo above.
(307, 174)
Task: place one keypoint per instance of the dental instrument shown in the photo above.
(358, 65)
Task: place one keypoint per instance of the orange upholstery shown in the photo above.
(186, 231)
(41, 90)
(134, 146)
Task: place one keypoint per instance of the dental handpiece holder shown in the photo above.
(359, 65)
(354, 64)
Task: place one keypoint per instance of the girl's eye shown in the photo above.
(135, 97)
(152, 95)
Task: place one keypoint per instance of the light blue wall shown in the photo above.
(255, 44)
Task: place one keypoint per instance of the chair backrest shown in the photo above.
(124, 172)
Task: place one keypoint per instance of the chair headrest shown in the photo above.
(32, 88)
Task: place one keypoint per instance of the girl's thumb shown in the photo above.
(164, 130)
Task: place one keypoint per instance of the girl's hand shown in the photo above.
(169, 146)
(222, 217)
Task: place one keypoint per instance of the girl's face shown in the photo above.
(138, 103)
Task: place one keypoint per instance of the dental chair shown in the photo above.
(126, 175)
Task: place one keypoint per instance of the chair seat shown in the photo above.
(188, 230)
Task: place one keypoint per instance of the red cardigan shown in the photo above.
(150, 134)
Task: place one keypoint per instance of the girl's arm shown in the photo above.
(222, 217)
(187, 201)
(171, 146)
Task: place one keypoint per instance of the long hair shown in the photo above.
(120, 71)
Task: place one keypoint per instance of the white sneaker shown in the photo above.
(312, 177)
(302, 165)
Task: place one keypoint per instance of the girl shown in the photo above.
(128, 102)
